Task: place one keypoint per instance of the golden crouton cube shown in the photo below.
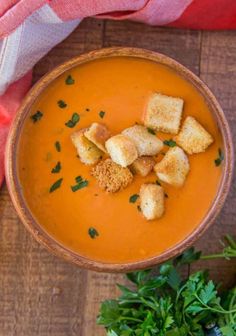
(122, 150)
(143, 165)
(174, 167)
(98, 134)
(152, 201)
(111, 176)
(193, 138)
(145, 142)
(163, 113)
(87, 151)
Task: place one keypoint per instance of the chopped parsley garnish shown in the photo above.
(93, 232)
(61, 104)
(58, 146)
(80, 183)
(57, 168)
(170, 143)
(219, 160)
(150, 130)
(56, 185)
(158, 183)
(73, 121)
(69, 80)
(133, 198)
(37, 116)
(101, 114)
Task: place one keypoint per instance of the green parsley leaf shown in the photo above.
(58, 146)
(56, 185)
(170, 143)
(150, 130)
(80, 184)
(61, 104)
(133, 198)
(101, 114)
(220, 159)
(69, 80)
(57, 168)
(78, 179)
(37, 116)
(73, 121)
(93, 232)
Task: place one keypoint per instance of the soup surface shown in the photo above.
(118, 86)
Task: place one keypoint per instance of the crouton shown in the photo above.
(87, 151)
(145, 142)
(98, 134)
(152, 201)
(163, 113)
(173, 168)
(121, 149)
(143, 165)
(193, 138)
(111, 176)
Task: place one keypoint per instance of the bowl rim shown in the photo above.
(40, 234)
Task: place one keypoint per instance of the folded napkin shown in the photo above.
(30, 28)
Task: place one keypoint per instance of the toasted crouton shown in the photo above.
(152, 201)
(98, 134)
(193, 138)
(145, 142)
(174, 167)
(143, 165)
(87, 151)
(163, 113)
(111, 176)
(121, 149)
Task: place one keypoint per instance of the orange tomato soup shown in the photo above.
(119, 86)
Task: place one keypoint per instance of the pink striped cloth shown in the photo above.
(30, 28)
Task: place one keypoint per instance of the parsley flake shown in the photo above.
(220, 159)
(56, 185)
(37, 116)
(57, 146)
(57, 168)
(133, 198)
(61, 104)
(101, 114)
(93, 232)
(73, 121)
(69, 80)
(80, 184)
(170, 143)
(150, 130)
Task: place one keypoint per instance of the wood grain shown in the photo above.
(40, 294)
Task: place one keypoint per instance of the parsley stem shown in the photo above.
(226, 255)
(220, 311)
(130, 319)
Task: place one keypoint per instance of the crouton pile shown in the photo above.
(116, 158)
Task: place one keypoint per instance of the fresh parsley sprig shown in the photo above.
(163, 303)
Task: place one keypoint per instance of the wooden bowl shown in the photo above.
(50, 243)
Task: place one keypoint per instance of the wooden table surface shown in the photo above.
(43, 295)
